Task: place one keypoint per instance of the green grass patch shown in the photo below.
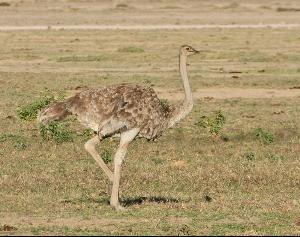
(19, 142)
(264, 136)
(76, 58)
(131, 49)
(223, 229)
(56, 131)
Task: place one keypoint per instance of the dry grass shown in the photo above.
(190, 181)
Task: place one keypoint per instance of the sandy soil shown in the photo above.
(145, 12)
(107, 224)
(74, 222)
(148, 27)
(228, 93)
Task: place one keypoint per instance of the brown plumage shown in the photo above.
(122, 107)
(129, 110)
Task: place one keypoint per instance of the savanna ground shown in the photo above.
(245, 180)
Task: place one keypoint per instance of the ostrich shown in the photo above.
(126, 110)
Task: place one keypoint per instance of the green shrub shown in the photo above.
(106, 156)
(57, 131)
(29, 112)
(214, 123)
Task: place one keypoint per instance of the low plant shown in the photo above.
(87, 134)
(214, 122)
(263, 135)
(30, 111)
(57, 131)
(249, 156)
(106, 156)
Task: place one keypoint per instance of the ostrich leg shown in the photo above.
(126, 138)
(90, 146)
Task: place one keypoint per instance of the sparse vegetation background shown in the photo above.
(231, 168)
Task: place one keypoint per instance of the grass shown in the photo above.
(19, 142)
(131, 49)
(185, 183)
(57, 131)
(88, 58)
(264, 136)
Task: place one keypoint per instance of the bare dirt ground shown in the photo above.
(156, 12)
(228, 93)
(144, 12)
(149, 27)
(222, 93)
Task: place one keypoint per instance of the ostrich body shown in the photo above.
(128, 110)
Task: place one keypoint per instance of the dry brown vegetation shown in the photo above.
(245, 180)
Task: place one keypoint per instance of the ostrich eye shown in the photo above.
(187, 48)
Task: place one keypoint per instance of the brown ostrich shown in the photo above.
(128, 110)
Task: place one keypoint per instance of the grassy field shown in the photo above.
(245, 180)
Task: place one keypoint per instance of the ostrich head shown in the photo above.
(187, 50)
(53, 113)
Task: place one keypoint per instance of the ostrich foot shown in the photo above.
(119, 208)
(109, 189)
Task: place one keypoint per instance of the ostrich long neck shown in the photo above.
(187, 104)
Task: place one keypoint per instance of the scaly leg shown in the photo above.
(126, 138)
(90, 146)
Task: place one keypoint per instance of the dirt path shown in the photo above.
(220, 93)
(23, 224)
(229, 93)
(148, 27)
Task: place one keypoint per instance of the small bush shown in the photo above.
(59, 132)
(29, 112)
(214, 123)
(264, 136)
(106, 156)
